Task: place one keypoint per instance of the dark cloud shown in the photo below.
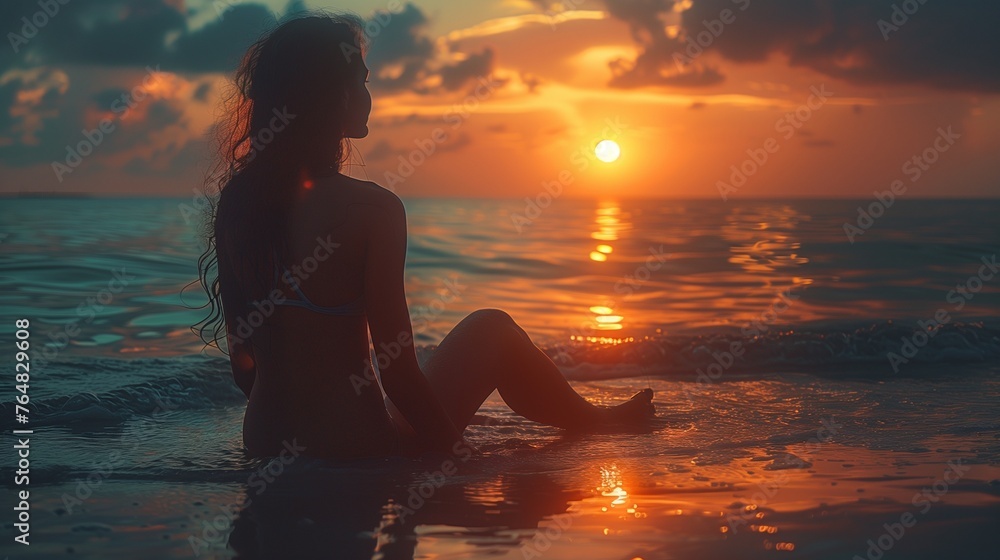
(220, 45)
(455, 76)
(656, 63)
(55, 77)
(105, 32)
(400, 38)
(50, 118)
(8, 95)
(155, 32)
(946, 45)
(134, 33)
(32, 128)
(403, 57)
(202, 92)
(398, 48)
(104, 98)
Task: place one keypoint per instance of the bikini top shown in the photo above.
(351, 308)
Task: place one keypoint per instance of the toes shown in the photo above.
(645, 394)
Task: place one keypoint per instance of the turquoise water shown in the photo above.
(624, 295)
(678, 266)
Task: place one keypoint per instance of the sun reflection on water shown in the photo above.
(609, 225)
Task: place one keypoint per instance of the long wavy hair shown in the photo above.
(284, 122)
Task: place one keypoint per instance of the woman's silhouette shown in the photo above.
(310, 261)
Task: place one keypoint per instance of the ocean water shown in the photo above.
(812, 390)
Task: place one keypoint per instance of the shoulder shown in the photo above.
(377, 199)
(357, 195)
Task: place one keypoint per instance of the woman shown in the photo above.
(310, 262)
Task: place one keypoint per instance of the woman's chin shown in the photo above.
(359, 133)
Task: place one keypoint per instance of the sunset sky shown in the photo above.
(523, 91)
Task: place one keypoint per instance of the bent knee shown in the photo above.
(489, 315)
(492, 328)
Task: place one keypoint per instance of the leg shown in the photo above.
(487, 350)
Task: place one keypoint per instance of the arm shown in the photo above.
(241, 357)
(389, 323)
(242, 361)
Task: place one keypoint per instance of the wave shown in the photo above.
(871, 350)
(109, 391)
(168, 384)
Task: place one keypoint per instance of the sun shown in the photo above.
(607, 151)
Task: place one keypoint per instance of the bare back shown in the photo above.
(312, 382)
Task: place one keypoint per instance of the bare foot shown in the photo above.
(637, 410)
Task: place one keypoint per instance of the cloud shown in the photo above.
(103, 44)
(219, 45)
(514, 23)
(475, 66)
(401, 38)
(656, 63)
(202, 92)
(106, 32)
(947, 45)
(50, 110)
(135, 33)
(404, 58)
(31, 103)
